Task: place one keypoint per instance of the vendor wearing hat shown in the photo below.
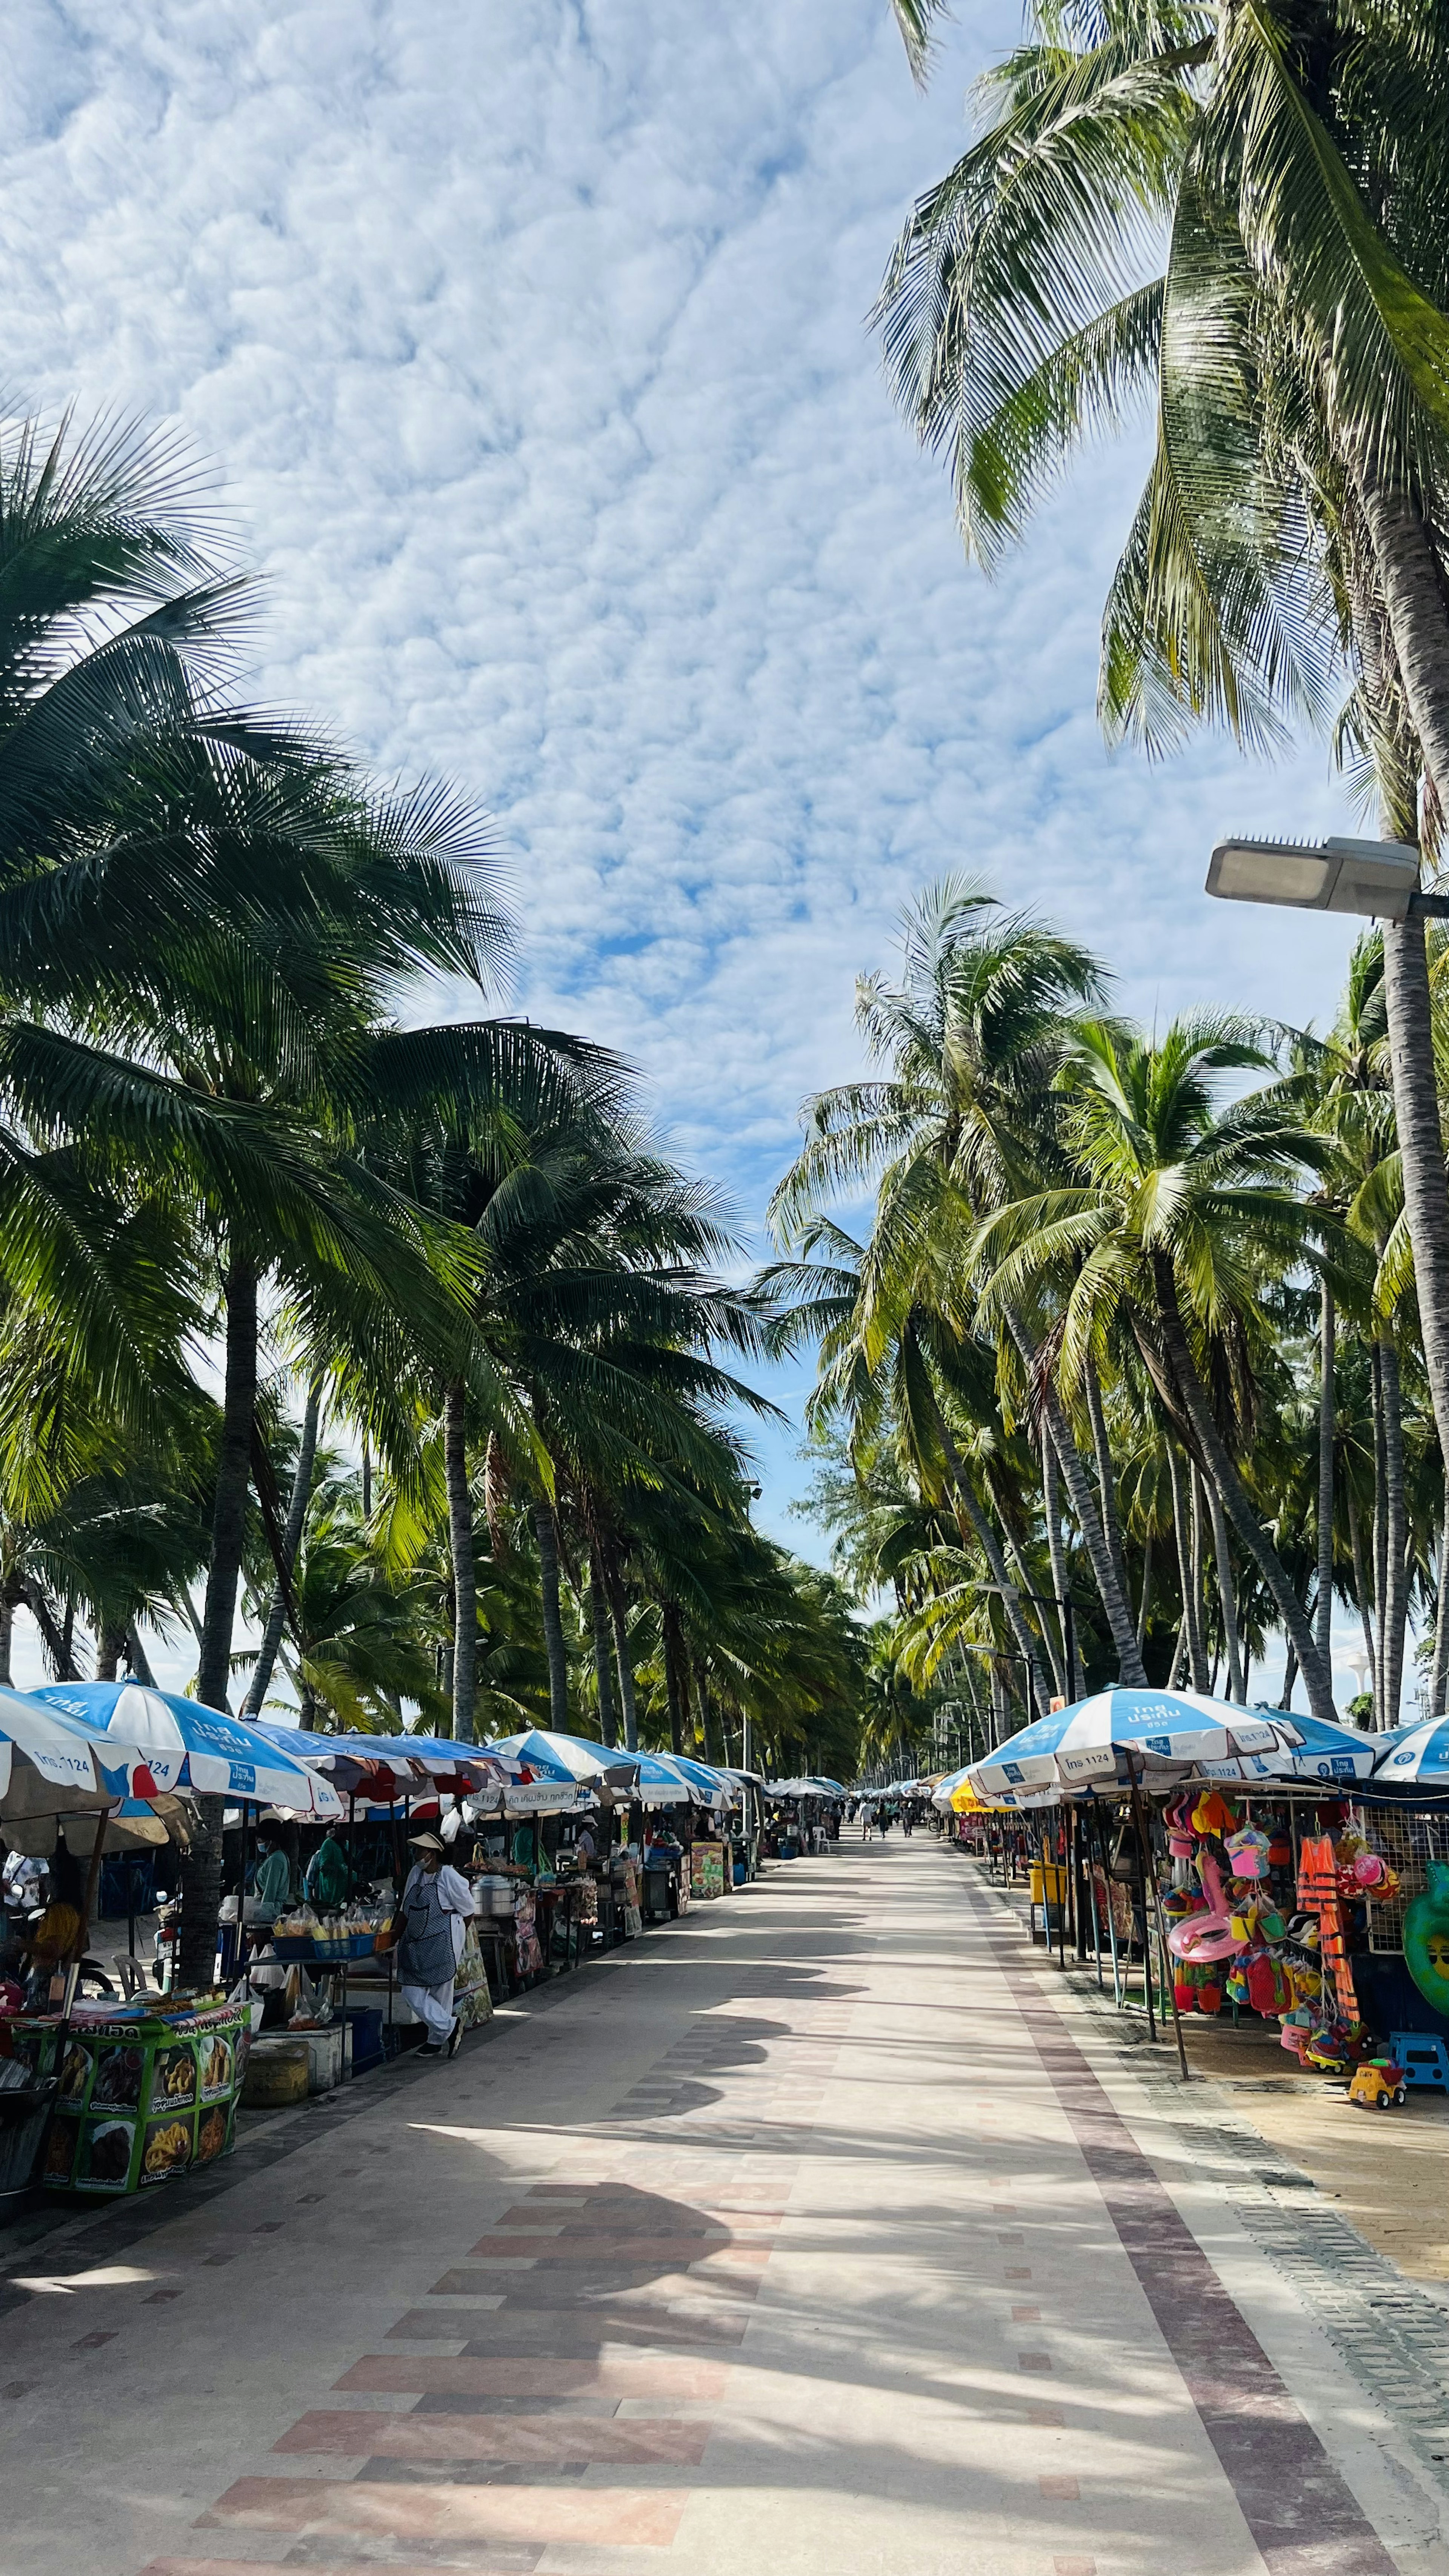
(435, 1907)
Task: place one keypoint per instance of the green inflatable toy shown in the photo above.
(1426, 1939)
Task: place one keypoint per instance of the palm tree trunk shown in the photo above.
(1145, 1603)
(1187, 1564)
(7, 1641)
(599, 1613)
(1052, 1510)
(1106, 1480)
(1194, 1399)
(1323, 1618)
(1290, 1676)
(301, 1495)
(553, 1635)
(1439, 1671)
(706, 1715)
(109, 1650)
(619, 1617)
(200, 1868)
(1396, 1589)
(963, 1494)
(461, 1551)
(673, 1633)
(1366, 1605)
(1421, 1147)
(1227, 1594)
(1079, 1494)
(233, 1479)
(137, 1660)
(1023, 1582)
(1380, 1527)
(1178, 1651)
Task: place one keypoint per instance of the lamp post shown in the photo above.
(1379, 880)
(1049, 1601)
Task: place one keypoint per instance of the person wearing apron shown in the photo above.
(436, 1904)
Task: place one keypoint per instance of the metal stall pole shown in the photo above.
(241, 1900)
(1060, 1868)
(1088, 1838)
(1146, 1925)
(1169, 1980)
(1111, 1919)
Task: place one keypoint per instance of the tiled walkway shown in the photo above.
(822, 2232)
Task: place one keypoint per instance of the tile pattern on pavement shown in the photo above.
(809, 2234)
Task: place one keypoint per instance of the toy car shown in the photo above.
(1379, 2086)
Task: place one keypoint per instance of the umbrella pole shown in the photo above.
(92, 1882)
(1111, 1920)
(1089, 1839)
(1146, 1926)
(1061, 1879)
(241, 1894)
(131, 1904)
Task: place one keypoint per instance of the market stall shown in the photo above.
(146, 2091)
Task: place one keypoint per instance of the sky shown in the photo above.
(530, 349)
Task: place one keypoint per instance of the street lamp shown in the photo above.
(1377, 878)
(1045, 1601)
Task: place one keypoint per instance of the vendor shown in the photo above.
(328, 1882)
(585, 1845)
(272, 1878)
(436, 1906)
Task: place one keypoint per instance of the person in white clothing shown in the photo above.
(436, 1904)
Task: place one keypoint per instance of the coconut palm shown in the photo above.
(1180, 1209)
(1295, 347)
(971, 1035)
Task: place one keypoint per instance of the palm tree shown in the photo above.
(1296, 349)
(971, 1035)
(1178, 1208)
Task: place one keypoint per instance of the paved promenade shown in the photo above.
(828, 2231)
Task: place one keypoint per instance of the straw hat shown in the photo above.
(424, 1842)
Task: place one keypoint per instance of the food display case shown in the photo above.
(142, 2098)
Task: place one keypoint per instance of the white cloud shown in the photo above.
(531, 343)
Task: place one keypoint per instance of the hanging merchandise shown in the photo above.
(1318, 1893)
(1426, 1938)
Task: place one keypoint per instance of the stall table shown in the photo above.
(143, 2096)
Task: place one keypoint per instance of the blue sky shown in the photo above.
(530, 344)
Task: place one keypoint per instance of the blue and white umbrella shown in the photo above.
(1122, 1734)
(53, 1763)
(569, 1757)
(706, 1785)
(1410, 1754)
(1312, 1749)
(186, 1745)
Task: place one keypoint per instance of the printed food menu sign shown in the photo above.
(139, 2106)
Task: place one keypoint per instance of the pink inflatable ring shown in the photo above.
(1203, 1939)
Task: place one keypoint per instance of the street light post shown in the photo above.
(1378, 880)
(1049, 1601)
